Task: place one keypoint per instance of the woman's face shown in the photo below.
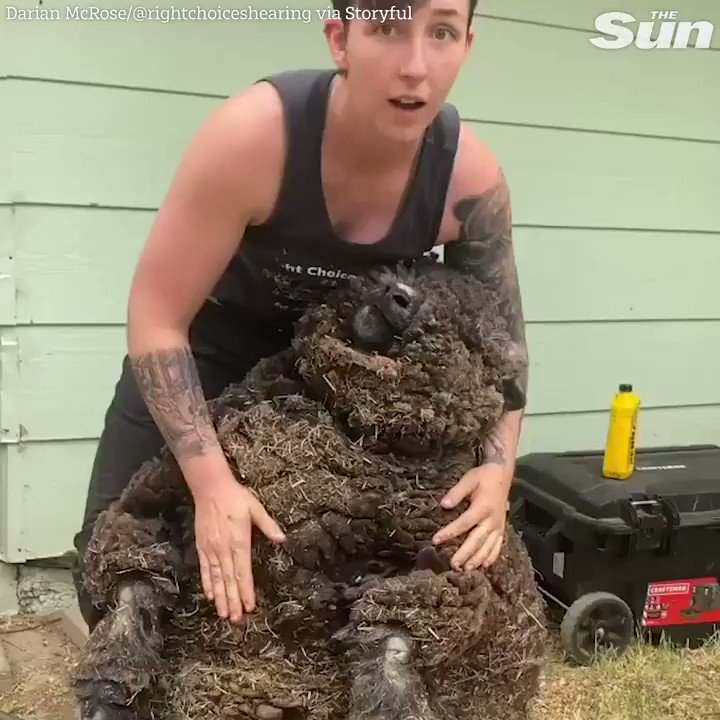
(401, 62)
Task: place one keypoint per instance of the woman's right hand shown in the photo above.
(224, 518)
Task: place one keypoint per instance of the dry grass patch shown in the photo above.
(645, 683)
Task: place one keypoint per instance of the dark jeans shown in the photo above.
(130, 435)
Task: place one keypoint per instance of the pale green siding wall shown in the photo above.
(613, 158)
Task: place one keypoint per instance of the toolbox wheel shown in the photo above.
(595, 625)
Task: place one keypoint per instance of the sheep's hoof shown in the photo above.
(103, 709)
(106, 713)
(122, 657)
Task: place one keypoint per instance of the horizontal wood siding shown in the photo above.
(92, 251)
(531, 64)
(67, 373)
(47, 509)
(613, 158)
(71, 145)
(609, 274)
(46, 513)
(587, 430)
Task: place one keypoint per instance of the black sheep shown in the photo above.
(350, 438)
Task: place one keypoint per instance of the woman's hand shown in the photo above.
(484, 520)
(224, 519)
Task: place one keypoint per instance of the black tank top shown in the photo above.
(293, 258)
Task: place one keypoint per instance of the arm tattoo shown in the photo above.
(485, 249)
(168, 381)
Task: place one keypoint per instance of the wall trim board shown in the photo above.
(10, 385)
(7, 267)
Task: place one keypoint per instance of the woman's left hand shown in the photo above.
(484, 521)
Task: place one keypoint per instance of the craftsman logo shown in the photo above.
(662, 32)
(676, 589)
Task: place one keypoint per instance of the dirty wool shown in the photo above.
(350, 438)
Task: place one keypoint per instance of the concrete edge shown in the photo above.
(8, 589)
(6, 676)
(74, 626)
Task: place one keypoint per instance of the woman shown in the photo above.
(290, 187)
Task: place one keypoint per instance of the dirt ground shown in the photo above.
(646, 683)
(40, 654)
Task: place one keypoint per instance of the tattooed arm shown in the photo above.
(168, 381)
(484, 248)
(227, 179)
(481, 243)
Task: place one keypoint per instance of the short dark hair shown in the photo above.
(342, 5)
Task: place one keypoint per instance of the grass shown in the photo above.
(644, 683)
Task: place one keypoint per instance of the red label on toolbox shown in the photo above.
(679, 602)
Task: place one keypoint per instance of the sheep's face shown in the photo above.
(385, 311)
(410, 361)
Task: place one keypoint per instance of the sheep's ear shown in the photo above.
(356, 283)
(380, 275)
(405, 272)
(463, 208)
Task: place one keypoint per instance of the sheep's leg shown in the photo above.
(386, 685)
(402, 626)
(122, 655)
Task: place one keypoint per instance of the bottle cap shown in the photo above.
(625, 387)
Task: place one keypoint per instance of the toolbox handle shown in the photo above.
(618, 526)
(702, 518)
(615, 525)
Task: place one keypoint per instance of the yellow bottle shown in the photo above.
(619, 458)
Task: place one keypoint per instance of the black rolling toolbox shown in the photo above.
(624, 555)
